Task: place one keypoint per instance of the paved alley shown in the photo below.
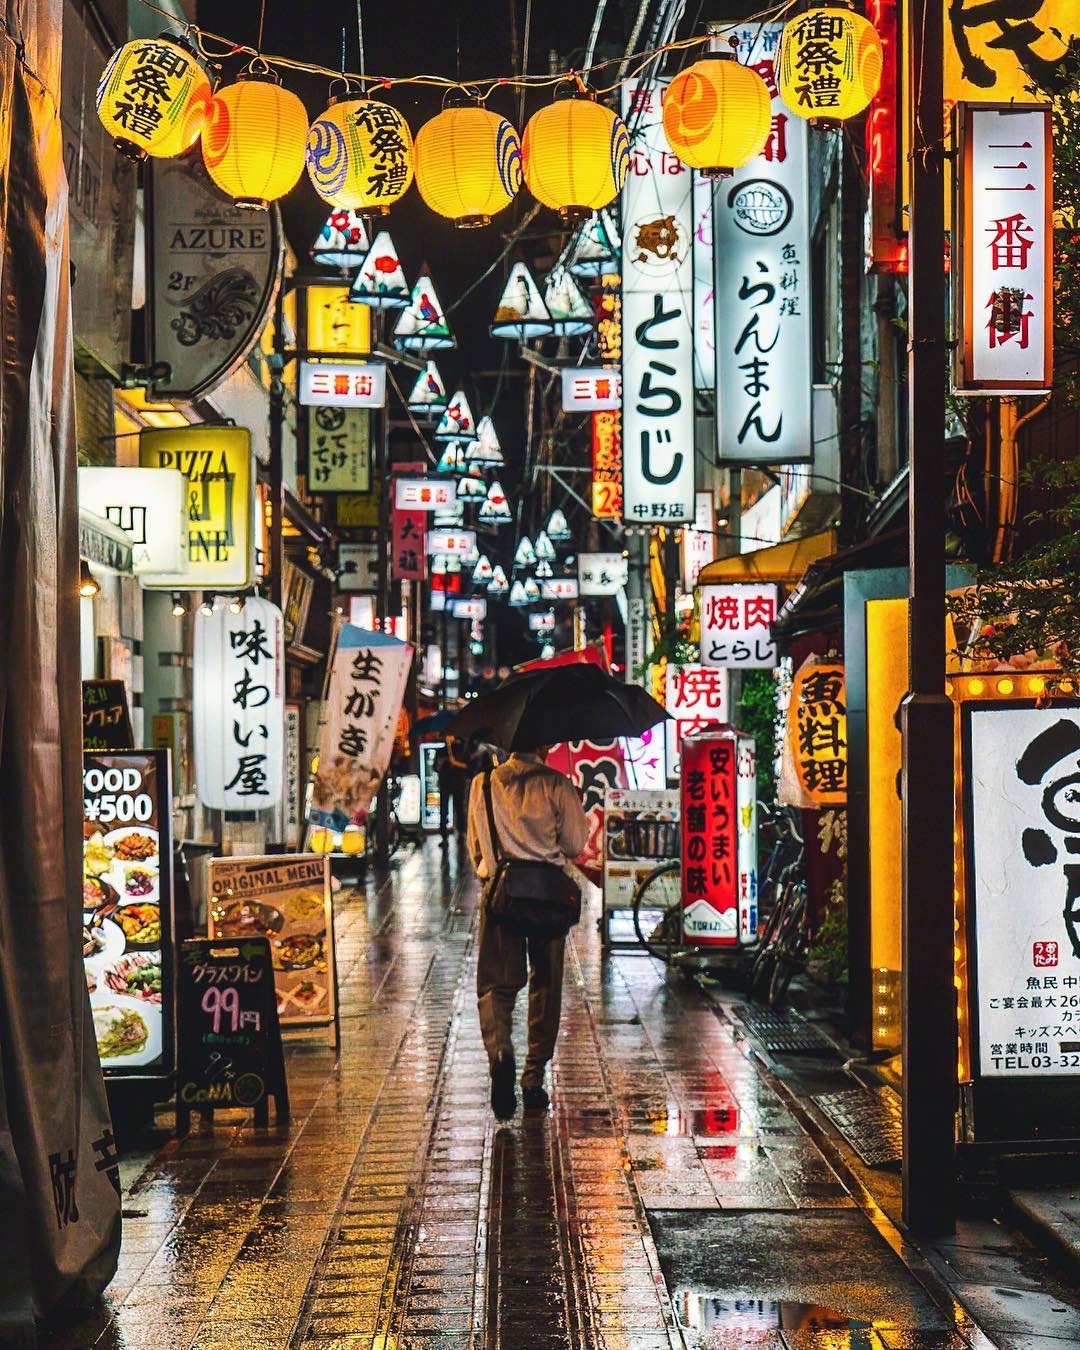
(674, 1197)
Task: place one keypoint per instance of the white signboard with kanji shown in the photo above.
(591, 389)
(559, 588)
(736, 625)
(1023, 824)
(342, 384)
(424, 494)
(761, 232)
(601, 573)
(1004, 208)
(657, 319)
(696, 697)
(452, 543)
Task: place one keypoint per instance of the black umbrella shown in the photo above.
(560, 703)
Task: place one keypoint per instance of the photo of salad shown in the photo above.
(138, 975)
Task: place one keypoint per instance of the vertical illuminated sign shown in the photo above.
(719, 826)
(761, 233)
(658, 309)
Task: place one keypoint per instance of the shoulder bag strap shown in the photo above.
(496, 842)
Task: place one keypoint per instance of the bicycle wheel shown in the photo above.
(761, 972)
(792, 943)
(658, 911)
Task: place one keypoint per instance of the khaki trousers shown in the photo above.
(508, 961)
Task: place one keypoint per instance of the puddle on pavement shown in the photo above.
(702, 1311)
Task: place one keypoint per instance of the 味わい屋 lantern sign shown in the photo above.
(1003, 279)
(815, 743)
(719, 837)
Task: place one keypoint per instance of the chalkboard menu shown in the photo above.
(230, 1039)
(127, 908)
(105, 716)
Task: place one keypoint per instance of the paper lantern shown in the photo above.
(498, 585)
(255, 140)
(593, 250)
(717, 115)
(428, 395)
(830, 64)
(815, 736)
(342, 242)
(380, 282)
(569, 310)
(468, 165)
(495, 509)
(486, 448)
(521, 312)
(422, 325)
(360, 155)
(153, 98)
(457, 422)
(575, 155)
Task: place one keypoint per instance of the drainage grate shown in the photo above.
(779, 1032)
(869, 1119)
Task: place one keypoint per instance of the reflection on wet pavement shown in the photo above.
(391, 1212)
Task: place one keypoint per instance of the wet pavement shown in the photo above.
(677, 1194)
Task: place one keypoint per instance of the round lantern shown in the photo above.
(255, 140)
(468, 164)
(830, 64)
(359, 155)
(575, 155)
(717, 115)
(153, 98)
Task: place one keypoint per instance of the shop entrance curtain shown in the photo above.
(59, 1198)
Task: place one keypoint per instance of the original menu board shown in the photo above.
(127, 909)
(230, 1039)
(285, 898)
(641, 830)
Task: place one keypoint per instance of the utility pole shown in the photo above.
(928, 992)
(382, 598)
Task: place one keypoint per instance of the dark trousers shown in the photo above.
(452, 789)
(508, 961)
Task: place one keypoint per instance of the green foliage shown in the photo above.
(829, 950)
(756, 714)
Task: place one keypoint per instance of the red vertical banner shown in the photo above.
(607, 465)
(886, 239)
(408, 560)
(710, 871)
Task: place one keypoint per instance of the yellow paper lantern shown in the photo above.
(153, 98)
(468, 164)
(360, 155)
(255, 140)
(717, 115)
(575, 155)
(830, 64)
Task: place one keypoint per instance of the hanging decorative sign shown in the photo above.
(499, 584)
(342, 384)
(216, 463)
(239, 706)
(428, 395)
(148, 505)
(556, 588)
(657, 299)
(591, 389)
(423, 494)
(1004, 277)
(814, 760)
(334, 325)
(486, 449)
(698, 541)
(521, 312)
(212, 271)
(736, 625)
(999, 53)
(339, 450)
(601, 573)
(607, 466)
(366, 688)
(495, 509)
(456, 543)
(294, 773)
(456, 423)
(358, 566)
(342, 242)
(569, 310)
(422, 325)
(761, 278)
(719, 838)
(380, 281)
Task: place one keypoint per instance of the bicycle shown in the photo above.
(658, 910)
(785, 939)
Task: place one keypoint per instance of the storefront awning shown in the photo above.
(785, 562)
(104, 544)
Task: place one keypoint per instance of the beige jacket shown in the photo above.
(538, 815)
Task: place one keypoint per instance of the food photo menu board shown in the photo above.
(285, 898)
(127, 910)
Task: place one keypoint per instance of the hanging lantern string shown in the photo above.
(360, 37)
(214, 47)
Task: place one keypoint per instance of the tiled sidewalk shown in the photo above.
(392, 1212)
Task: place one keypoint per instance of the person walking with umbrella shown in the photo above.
(525, 812)
(538, 817)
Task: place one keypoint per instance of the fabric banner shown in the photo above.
(367, 687)
(59, 1181)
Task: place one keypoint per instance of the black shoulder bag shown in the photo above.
(537, 899)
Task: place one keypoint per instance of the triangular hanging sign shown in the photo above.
(457, 422)
(569, 310)
(525, 555)
(428, 395)
(422, 325)
(596, 245)
(544, 569)
(557, 527)
(342, 242)
(498, 585)
(483, 571)
(521, 312)
(452, 459)
(544, 547)
(495, 509)
(532, 590)
(518, 596)
(380, 282)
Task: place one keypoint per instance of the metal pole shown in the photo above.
(382, 599)
(276, 562)
(928, 993)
